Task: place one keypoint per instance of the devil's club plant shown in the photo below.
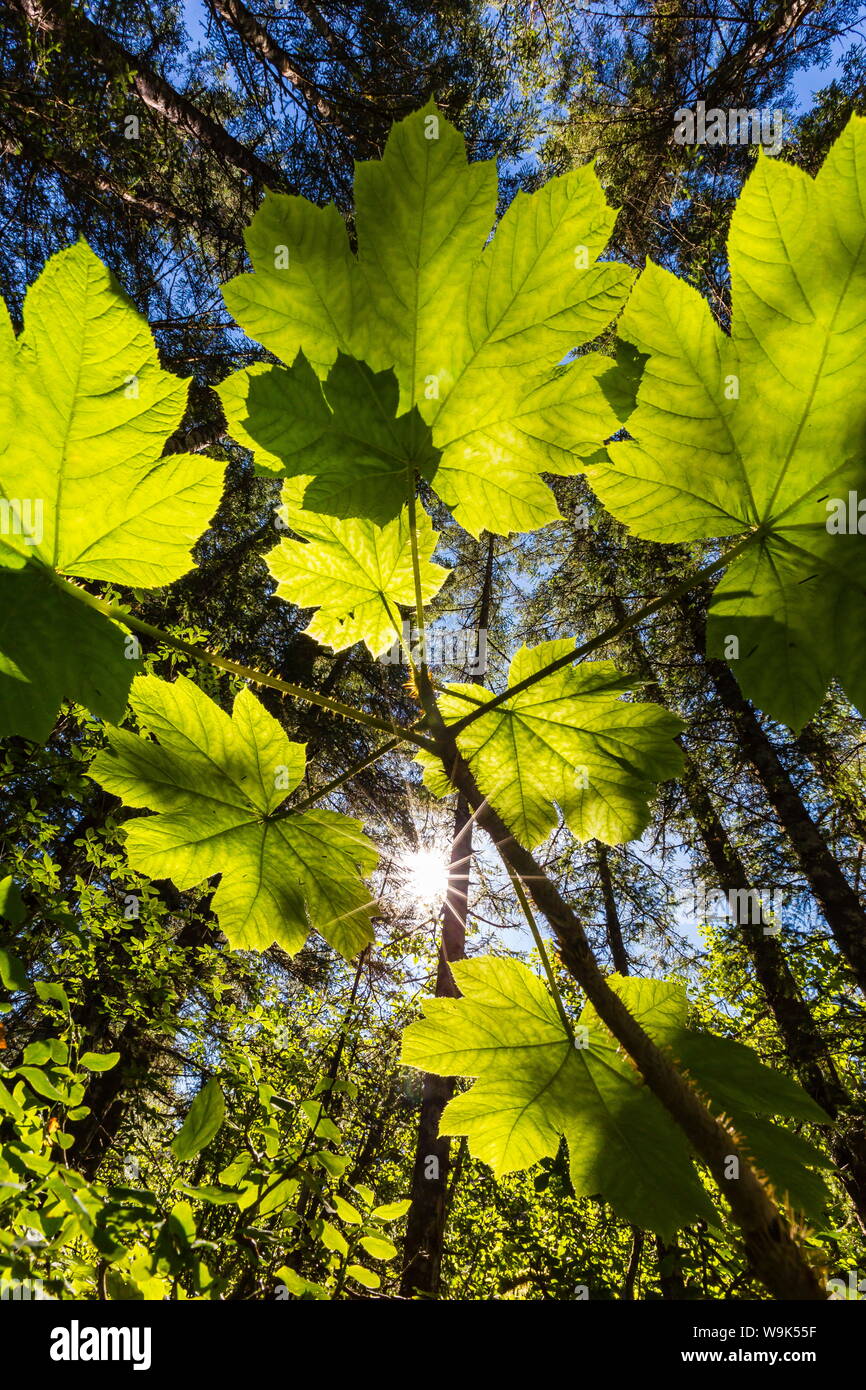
(455, 350)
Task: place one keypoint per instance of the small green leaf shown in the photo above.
(204, 1120)
(378, 1247)
(181, 1220)
(234, 1171)
(279, 1197)
(364, 1276)
(50, 990)
(332, 1239)
(391, 1211)
(121, 1288)
(12, 971)
(319, 1123)
(346, 1211)
(40, 1083)
(213, 1193)
(302, 1288)
(334, 1165)
(12, 910)
(10, 1104)
(99, 1061)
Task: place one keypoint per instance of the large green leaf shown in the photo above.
(85, 410)
(569, 741)
(218, 785)
(535, 1085)
(493, 453)
(353, 572)
(477, 329)
(301, 296)
(763, 431)
(738, 1085)
(361, 456)
(423, 214)
(52, 648)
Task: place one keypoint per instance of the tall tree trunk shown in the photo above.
(839, 903)
(619, 956)
(265, 47)
(801, 1037)
(772, 1246)
(847, 794)
(615, 943)
(425, 1227)
(40, 146)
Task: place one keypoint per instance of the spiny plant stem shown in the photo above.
(398, 631)
(340, 781)
(542, 949)
(119, 614)
(615, 630)
(769, 1240)
(422, 676)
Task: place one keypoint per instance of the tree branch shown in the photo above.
(272, 54)
(68, 24)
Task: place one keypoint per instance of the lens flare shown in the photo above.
(425, 875)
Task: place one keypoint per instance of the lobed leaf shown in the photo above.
(477, 329)
(763, 431)
(217, 783)
(85, 410)
(535, 1086)
(354, 573)
(569, 741)
(345, 433)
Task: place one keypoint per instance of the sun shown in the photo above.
(425, 876)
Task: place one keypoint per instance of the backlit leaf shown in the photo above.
(536, 1085)
(477, 329)
(218, 785)
(763, 431)
(569, 741)
(84, 491)
(204, 1120)
(354, 573)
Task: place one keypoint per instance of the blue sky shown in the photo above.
(812, 79)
